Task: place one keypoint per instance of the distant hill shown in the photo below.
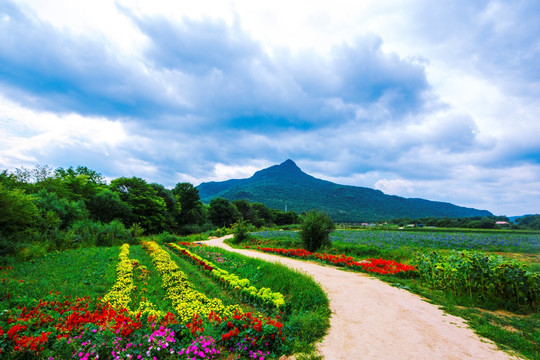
(286, 185)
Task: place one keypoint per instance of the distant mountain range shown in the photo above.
(286, 186)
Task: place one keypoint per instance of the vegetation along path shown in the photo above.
(373, 320)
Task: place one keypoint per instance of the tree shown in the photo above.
(246, 210)
(149, 210)
(191, 205)
(17, 211)
(50, 204)
(315, 230)
(264, 214)
(285, 218)
(107, 206)
(173, 206)
(222, 212)
(81, 183)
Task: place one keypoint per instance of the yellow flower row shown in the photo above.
(120, 293)
(264, 296)
(186, 301)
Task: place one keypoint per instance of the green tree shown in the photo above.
(315, 230)
(264, 214)
(191, 205)
(285, 218)
(17, 211)
(81, 183)
(107, 206)
(149, 210)
(222, 212)
(173, 206)
(529, 222)
(247, 211)
(67, 211)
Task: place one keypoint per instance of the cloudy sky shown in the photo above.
(438, 100)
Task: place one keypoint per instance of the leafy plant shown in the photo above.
(315, 230)
(477, 274)
(241, 231)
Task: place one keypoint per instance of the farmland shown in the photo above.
(491, 279)
(153, 300)
(184, 300)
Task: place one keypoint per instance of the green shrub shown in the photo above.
(315, 230)
(241, 231)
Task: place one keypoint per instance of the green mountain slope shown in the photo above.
(286, 185)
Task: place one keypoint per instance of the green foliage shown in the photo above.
(477, 274)
(315, 230)
(529, 222)
(241, 231)
(222, 212)
(173, 207)
(190, 205)
(17, 211)
(148, 208)
(87, 233)
(107, 206)
(65, 210)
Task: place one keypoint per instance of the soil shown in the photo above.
(373, 320)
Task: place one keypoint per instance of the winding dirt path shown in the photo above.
(373, 320)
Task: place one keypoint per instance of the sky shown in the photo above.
(416, 98)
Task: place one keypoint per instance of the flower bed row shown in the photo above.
(379, 266)
(263, 296)
(120, 294)
(185, 300)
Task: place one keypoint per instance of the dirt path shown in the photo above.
(373, 320)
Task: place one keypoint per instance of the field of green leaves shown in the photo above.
(156, 301)
(491, 279)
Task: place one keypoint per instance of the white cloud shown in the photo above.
(438, 101)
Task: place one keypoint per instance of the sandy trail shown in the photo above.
(373, 320)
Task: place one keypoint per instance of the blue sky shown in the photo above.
(437, 100)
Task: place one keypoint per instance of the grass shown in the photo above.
(148, 287)
(82, 272)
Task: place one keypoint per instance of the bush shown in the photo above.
(241, 231)
(315, 230)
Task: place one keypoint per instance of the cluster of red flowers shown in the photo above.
(66, 318)
(379, 266)
(203, 264)
(183, 243)
(263, 332)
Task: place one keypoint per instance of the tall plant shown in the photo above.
(315, 230)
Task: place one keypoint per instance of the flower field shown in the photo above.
(243, 287)
(485, 241)
(379, 266)
(132, 319)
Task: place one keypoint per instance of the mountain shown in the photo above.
(286, 185)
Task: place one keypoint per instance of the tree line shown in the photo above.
(528, 222)
(65, 208)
